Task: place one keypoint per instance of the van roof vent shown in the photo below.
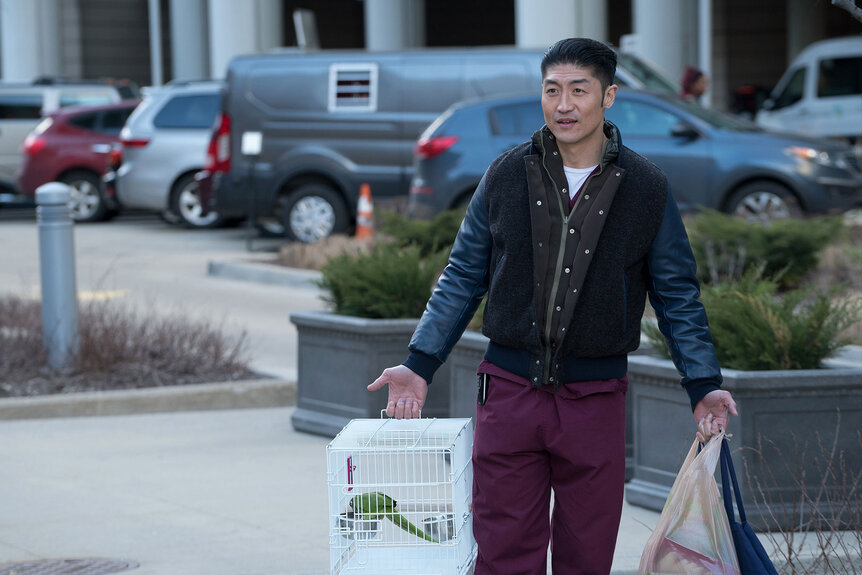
(353, 88)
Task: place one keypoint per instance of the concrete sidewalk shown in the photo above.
(197, 492)
(229, 492)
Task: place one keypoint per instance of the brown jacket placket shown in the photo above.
(549, 213)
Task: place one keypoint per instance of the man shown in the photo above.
(567, 234)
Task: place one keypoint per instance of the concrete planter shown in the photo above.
(787, 408)
(338, 357)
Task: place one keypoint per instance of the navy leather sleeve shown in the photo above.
(674, 291)
(458, 293)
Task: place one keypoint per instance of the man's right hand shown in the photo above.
(407, 391)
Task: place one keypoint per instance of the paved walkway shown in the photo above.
(229, 492)
(212, 492)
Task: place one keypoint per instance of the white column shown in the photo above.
(591, 19)
(540, 23)
(269, 24)
(658, 27)
(189, 40)
(806, 22)
(30, 36)
(704, 47)
(235, 28)
(155, 14)
(394, 24)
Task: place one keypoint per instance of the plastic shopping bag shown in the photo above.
(693, 536)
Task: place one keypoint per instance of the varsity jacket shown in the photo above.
(567, 288)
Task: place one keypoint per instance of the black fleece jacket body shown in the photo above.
(567, 288)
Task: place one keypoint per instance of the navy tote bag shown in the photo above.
(753, 559)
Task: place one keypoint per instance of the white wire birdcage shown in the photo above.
(420, 474)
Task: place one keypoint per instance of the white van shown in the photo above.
(820, 94)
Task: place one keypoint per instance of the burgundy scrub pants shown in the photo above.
(529, 440)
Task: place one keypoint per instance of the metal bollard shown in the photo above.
(57, 264)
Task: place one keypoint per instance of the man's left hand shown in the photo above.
(711, 413)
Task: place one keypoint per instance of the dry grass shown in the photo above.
(119, 348)
(314, 256)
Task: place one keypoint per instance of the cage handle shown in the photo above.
(384, 416)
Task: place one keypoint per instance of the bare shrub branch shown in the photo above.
(119, 348)
(826, 533)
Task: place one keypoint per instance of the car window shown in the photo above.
(651, 78)
(85, 121)
(81, 98)
(792, 92)
(639, 119)
(194, 111)
(114, 120)
(20, 106)
(517, 119)
(839, 77)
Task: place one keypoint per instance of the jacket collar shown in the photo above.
(544, 142)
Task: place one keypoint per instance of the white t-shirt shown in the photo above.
(577, 177)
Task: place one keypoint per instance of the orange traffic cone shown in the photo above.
(365, 213)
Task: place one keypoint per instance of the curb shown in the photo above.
(198, 397)
(258, 272)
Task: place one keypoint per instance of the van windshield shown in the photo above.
(652, 79)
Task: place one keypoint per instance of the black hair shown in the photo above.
(586, 53)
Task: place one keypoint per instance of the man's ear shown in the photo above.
(610, 96)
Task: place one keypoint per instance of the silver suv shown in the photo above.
(164, 145)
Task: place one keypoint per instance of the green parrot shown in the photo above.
(380, 505)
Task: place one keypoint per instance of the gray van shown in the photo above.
(328, 121)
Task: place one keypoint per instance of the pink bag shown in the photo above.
(693, 536)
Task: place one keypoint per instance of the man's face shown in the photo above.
(573, 103)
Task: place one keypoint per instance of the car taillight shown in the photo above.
(34, 144)
(427, 148)
(218, 151)
(115, 157)
(134, 142)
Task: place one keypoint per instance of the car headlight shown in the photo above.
(817, 156)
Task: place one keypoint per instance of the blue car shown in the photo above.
(711, 159)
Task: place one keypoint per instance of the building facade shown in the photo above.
(739, 43)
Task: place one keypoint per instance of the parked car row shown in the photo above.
(330, 121)
(290, 136)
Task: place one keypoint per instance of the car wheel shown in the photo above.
(312, 212)
(764, 201)
(85, 201)
(186, 204)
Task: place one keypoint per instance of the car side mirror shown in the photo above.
(767, 104)
(684, 131)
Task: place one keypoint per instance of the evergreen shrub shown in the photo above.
(726, 246)
(389, 282)
(755, 328)
(429, 236)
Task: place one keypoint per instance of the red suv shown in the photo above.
(72, 145)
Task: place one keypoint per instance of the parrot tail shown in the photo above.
(405, 524)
